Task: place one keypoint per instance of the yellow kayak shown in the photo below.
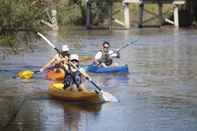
(56, 90)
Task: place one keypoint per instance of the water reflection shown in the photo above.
(82, 107)
(76, 115)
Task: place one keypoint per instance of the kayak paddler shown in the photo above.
(58, 60)
(104, 57)
(73, 76)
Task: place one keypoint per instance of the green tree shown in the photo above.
(100, 10)
(19, 18)
(76, 11)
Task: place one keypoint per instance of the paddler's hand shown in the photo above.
(103, 65)
(88, 78)
(41, 70)
(83, 72)
(118, 53)
(64, 60)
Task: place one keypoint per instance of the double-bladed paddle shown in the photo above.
(105, 95)
(126, 45)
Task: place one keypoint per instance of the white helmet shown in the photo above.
(74, 57)
(65, 48)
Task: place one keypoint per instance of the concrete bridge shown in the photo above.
(126, 23)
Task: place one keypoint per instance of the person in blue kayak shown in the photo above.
(105, 56)
(58, 60)
(74, 74)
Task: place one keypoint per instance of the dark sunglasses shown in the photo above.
(106, 47)
(74, 61)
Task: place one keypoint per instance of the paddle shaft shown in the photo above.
(126, 45)
(95, 85)
(36, 71)
(88, 78)
(51, 44)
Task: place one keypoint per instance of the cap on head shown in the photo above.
(65, 48)
(106, 44)
(74, 57)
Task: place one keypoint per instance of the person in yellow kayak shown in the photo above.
(74, 74)
(59, 60)
(105, 56)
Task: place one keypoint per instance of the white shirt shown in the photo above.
(99, 54)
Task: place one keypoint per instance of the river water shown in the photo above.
(158, 94)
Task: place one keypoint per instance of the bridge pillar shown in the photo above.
(176, 16)
(161, 19)
(126, 16)
(110, 14)
(88, 14)
(141, 13)
(176, 5)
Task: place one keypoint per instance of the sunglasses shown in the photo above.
(74, 61)
(106, 47)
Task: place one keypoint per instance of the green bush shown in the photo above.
(19, 16)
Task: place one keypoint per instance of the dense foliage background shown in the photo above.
(20, 19)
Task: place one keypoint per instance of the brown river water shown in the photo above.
(158, 94)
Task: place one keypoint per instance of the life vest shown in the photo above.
(72, 78)
(106, 58)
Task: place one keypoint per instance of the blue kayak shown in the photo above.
(118, 69)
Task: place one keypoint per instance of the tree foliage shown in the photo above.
(74, 11)
(21, 18)
(17, 17)
(100, 10)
